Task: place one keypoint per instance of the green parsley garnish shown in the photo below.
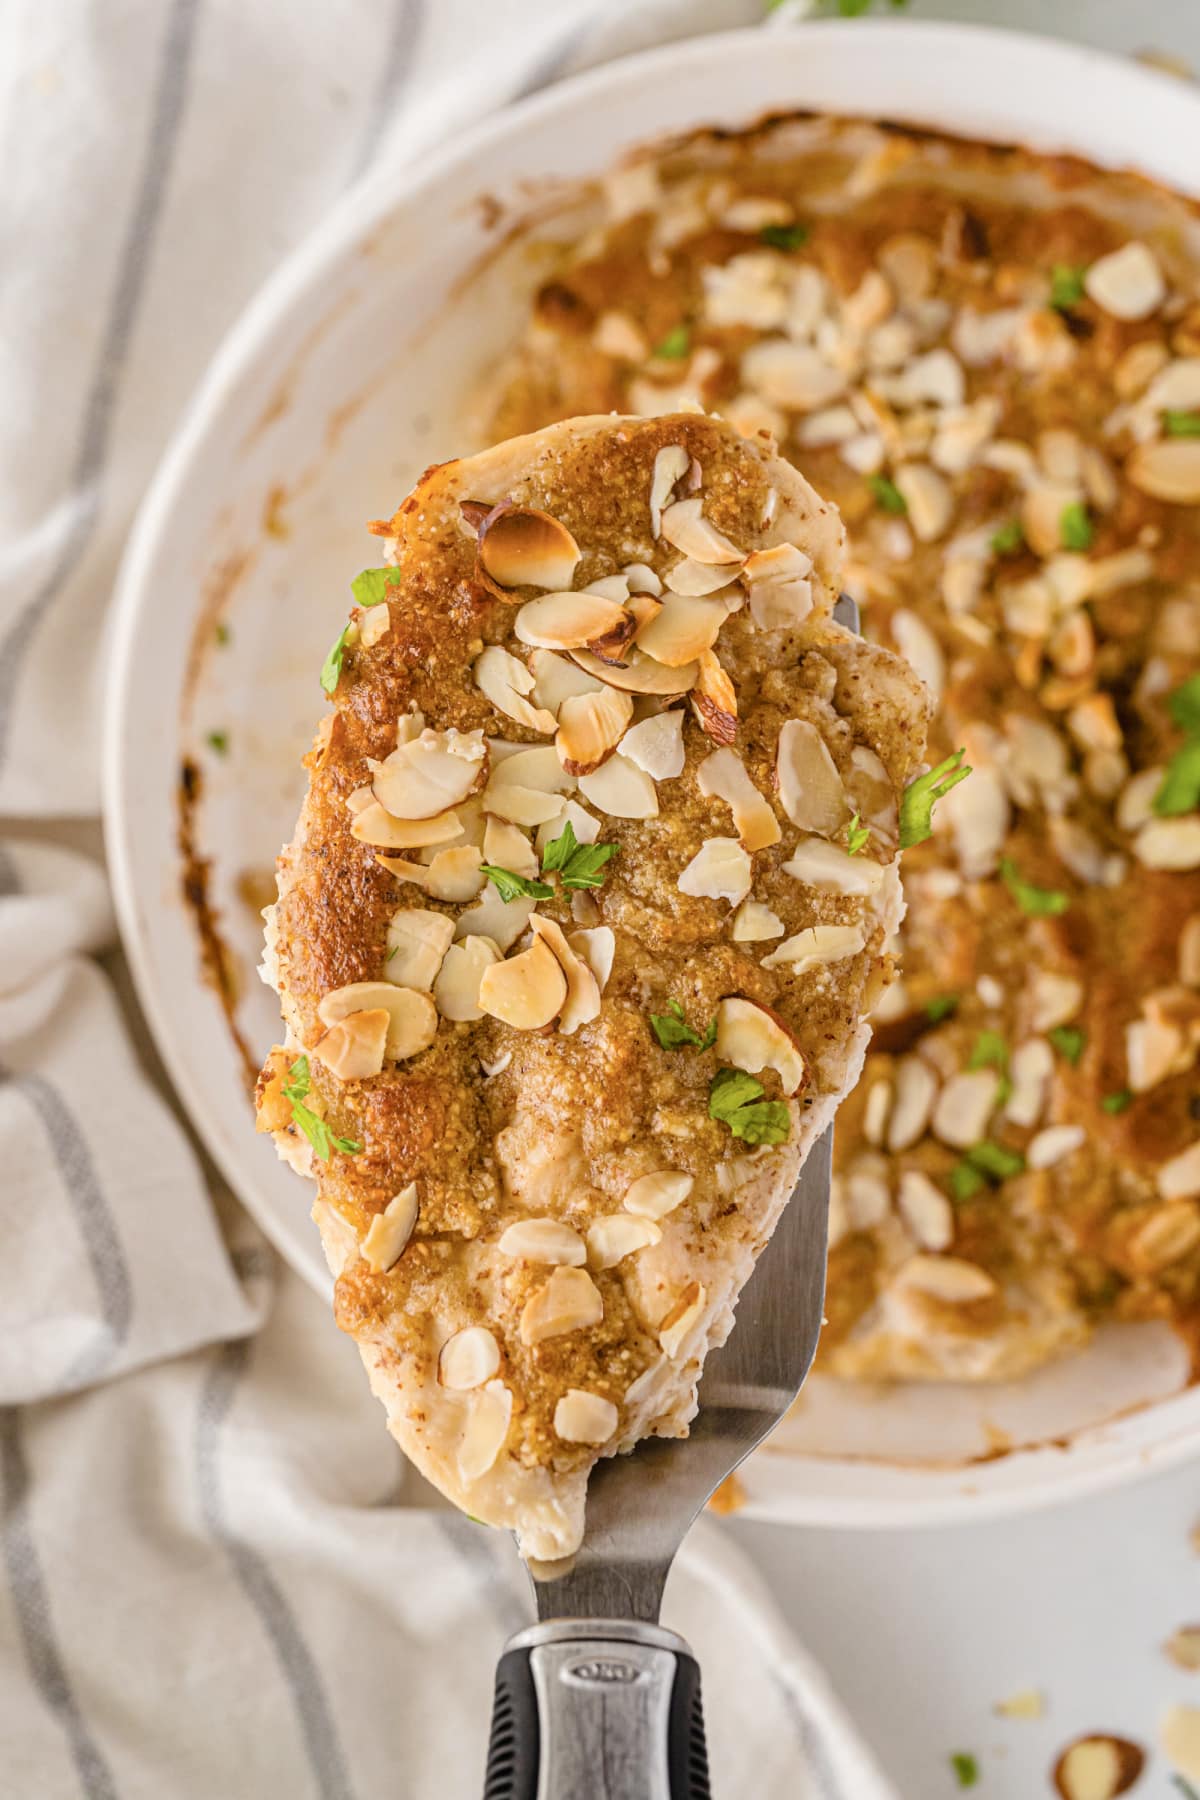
(783, 237)
(1180, 789)
(218, 741)
(991, 1052)
(511, 887)
(858, 836)
(1075, 526)
(735, 1098)
(371, 587)
(222, 634)
(676, 345)
(1116, 1103)
(1181, 424)
(1008, 538)
(965, 1182)
(942, 1006)
(315, 1129)
(674, 1033)
(578, 865)
(994, 1161)
(1183, 704)
(331, 668)
(966, 1768)
(1039, 903)
(1069, 1041)
(917, 800)
(1066, 285)
(887, 495)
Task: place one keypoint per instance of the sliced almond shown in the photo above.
(714, 699)
(656, 745)
(835, 871)
(469, 1358)
(1179, 1179)
(639, 674)
(486, 1431)
(796, 377)
(1167, 469)
(690, 579)
(1128, 283)
(779, 585)
(654, 1196)
(417, 940)
(555, 678)
(1179, 1734)
(1095, 1768)
(523, 806)
(373, 625)
(500, 920)
(544, 1241)
(525, 991)
(1183, 1648)
(722, 776)
(752, 1038)
(1054, 999)
(456, 990)
(920, 649)
(569, 1301)
(504, 680)
(430, 773)
(643, 582)
(353, 1048)
(1166, 1236)
(612, 646)
(914, 1091)
(949, 1279)
(720, 870)
(681, 630)
(537, 766)
(581, 1417)
(964, 1106)
(452, 875)
(754, 923)
(1026, 1703)
(682, 1318)
(670, 466)
(521, 547)
(582, 1003)
(390, 1230)
(597, 946)
(810, 788)
(815, 947)
(926, 1211)
(620, 789)
(373, 824)
(1169, 843)
(618, 1235)
(1189, 951)
(584, 824)
(412, 1017)
(1030, 1069)
(567, 621)
(684, 525)
(1053, 1145)
(505, 846)
(1153, 1047)
(590, 726)
(929, 498)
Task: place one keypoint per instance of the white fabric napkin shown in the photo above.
(219, 1577)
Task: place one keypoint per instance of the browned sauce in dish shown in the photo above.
(990, 360)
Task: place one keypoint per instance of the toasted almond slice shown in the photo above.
(412, 1017)
(1179, 1734)
(373, 625)
(452, 875)
(544, 1241)
(929, 498)
(950, 1279)
(1167, 469)
(504, 680)
(612, 647)
(1054, 999)
(566, 621)
(779, 585)
(1030, 1070)
(752, 1037)
(720, 870)
(1128, 283)
(521, 547)
(537, 766)
(618, 1235)
(486, 1431)
(682, 1318)
(1183, 1648)
(926, 1211)
(643, 582)
(620, 789)
(581, 1417)
(1169, 843)
(690, 578)
(582, 1003)
(654, 1196)
(456, 990)
(590, 726)
(754, 923)
(1054, 1144)
(810, 788)
(555, 678)
(670, 466)
(816, 946)
(1179, 1179)
(834, 871)
(417, 940)
(1026, 1703)
(353, 1048)
(525, 991)
(492, 917)
(1097, 1768)
(723, 776)
(714, 699)
(656, 745)
(964, 1106)
(390, 1230)
(643, 607)
(913, 1095)
(681, 630)
(428, 774)
(522, 805)
(469, 1358)
(360, 799)
(374, 825)
(409, 725)
(569, 1301)
(597, 947)
(505, 846)
(684, 525)
(639, 674)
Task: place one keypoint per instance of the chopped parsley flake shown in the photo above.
(1183, 704)
(1066, 285)
(371, 587)
(331, 668)
(991, 1052)
(1117, 1103)
(511, 887)
(965, 1182)
(1069, 1041)
(1008, 538)
(784, 237)
(676, 345)
(322, 1139)
(1181, 424)
(994, 1160)
(1039, 903)
(578, 865)
(858, 836)
(887, 495)
(942, 1006)
(1075, 526)
(674, 1033)
(917, 800)
(218, 741)
(735, 1099)
(966, 1768)
(1180, 788)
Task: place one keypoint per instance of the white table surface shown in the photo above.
(922, 1632)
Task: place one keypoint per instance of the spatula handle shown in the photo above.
(597, 1709)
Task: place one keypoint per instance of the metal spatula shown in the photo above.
(597, 1701)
